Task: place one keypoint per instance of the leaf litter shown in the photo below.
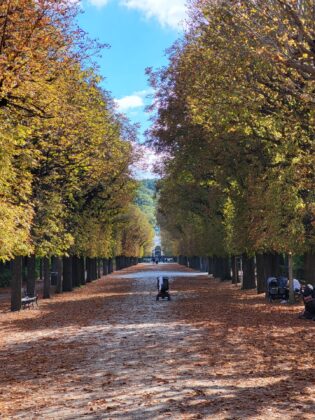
(110, 351)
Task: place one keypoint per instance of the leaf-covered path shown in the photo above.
(110, 351)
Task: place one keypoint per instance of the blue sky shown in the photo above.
(138, 32)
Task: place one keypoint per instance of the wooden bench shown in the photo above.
(28, 302)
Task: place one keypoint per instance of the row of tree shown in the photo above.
(65, 154)
(235, 116)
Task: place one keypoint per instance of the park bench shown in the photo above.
(29, 301)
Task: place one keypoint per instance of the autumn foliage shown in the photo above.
(65, 181)
(235, 115)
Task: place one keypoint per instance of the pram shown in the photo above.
(276, 289)
(163, 288)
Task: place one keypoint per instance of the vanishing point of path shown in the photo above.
(110, 351)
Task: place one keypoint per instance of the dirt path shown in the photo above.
(110, 351)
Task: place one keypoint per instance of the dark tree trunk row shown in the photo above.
(65, 273)
(204, 266)
(183, 260)
(255, 271)
(219, 267)
(125, 262)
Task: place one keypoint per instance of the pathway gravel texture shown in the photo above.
(110, 351)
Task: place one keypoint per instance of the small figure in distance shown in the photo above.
(163, 288)
(156, 261)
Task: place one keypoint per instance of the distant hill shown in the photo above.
(146, 200)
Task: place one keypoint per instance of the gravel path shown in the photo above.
(110, 351)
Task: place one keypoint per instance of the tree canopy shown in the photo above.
(235, 115)
(65, 181)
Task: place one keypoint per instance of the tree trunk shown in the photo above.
(260, 269)
(206, 264)
(197, 263)
(99, 268)
(225, 268)
(275, 262)
(95, 277)
(268, 265)
(54, 273)
(210, 266)
(110, 265)
(290, 269)
(31, 276)
(76, 279)
(82, 271)
(59, 271)
(67, 274)
(41, 276)
(309, 267)
(105, 266)
(88, 270)
(249, 281)
(46, 273)
(24, 270)
(217, 267)
(16, 284)
(234, 270)
(93, 269)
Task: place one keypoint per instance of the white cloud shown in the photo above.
(136, 100)
(129, 102)
(167, 12)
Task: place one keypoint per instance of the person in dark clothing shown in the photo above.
(309, 302)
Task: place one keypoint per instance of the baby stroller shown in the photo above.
(276, 288)
(163, 287)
